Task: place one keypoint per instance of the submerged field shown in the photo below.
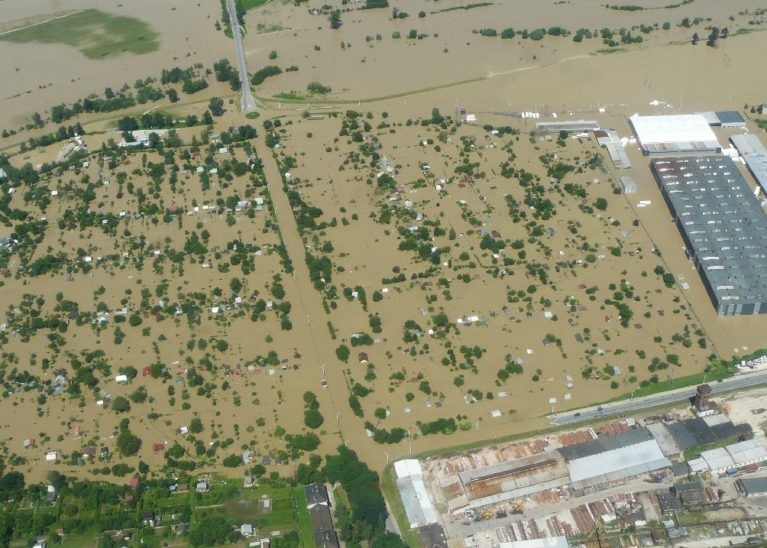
(482, 274)
(96, 34)
(370, 268)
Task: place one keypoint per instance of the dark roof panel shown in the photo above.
(602, 445)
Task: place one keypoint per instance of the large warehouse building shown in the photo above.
(415, 497)
(613, 459)
(754, 154)
(674, 134)
(723, 226)
(512, 479)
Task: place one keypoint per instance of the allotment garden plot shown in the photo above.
(475, 277)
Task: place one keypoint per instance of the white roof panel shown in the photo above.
(746, 452)
(636, 458)
(407, 468)
(717, 459)
(679, 129)
(697, 465)
(416, 501)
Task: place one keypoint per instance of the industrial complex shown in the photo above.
(720, 218)
(637, 474)
(674, 133)
(723, 226)
(558, 490)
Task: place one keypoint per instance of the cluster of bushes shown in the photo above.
(381, 435)
(536, 34)
(262, 74)
(439, 426)
(225, 72)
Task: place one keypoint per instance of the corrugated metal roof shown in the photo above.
(675, 133)
(717, 459)
(529, 464)
(631, 460)
(723, 226)
(602, 445)
(755, 486)
(746, 452)
(697, 465)
(729, 117)
(748, 143)
(416, 501)
(407, 467)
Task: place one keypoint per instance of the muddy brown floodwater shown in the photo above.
(394, 79)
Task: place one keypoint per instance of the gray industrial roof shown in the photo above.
(316, 493)
(730, 117)
(694, 432)
(757, 165)
(754, 154)
(567, 125)
(748, 143)
(415, 500)
(618, 463)
(322, 527)
(526, 465)
(723, 225)
(754, 485)
(688, 486)
(602, 445)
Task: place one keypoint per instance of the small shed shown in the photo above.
(362, 357)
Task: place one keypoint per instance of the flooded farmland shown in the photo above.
(479, 286)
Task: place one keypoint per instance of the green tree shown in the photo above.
(120, 405)
(342, 353)
(216, 106)
(127, 443)
(335, 19)
(235, 285)
(313, 418)
(233, 461)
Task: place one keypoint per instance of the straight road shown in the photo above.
(248, 102)
(741, 380)
(322, 363)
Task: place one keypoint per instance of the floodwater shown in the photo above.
(660, 312)
(554, 75)
(44, 75)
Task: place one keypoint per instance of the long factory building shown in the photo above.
(723, 227)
